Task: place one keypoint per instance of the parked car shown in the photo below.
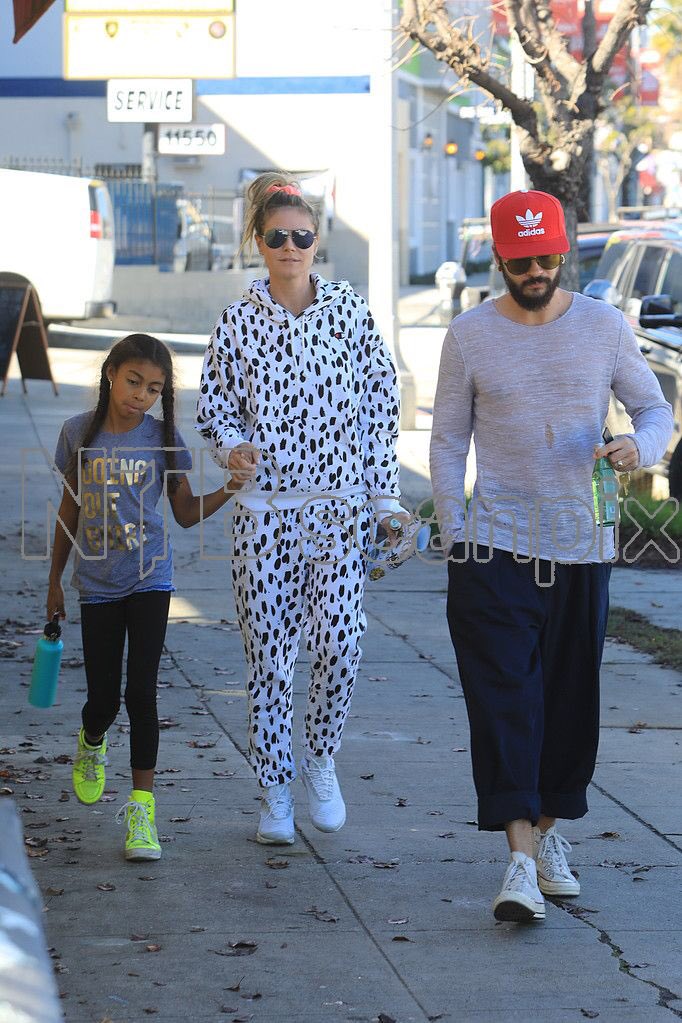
(58, 232)
(591, 243)
(193, 248)
(640, 271)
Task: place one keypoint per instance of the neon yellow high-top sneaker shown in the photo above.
(142, 840)
(88, 774)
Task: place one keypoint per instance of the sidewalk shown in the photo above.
(390, 918)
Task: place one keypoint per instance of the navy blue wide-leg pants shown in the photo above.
(529, 658)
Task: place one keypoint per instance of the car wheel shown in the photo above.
(675, 473)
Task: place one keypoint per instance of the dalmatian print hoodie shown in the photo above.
(316, 393)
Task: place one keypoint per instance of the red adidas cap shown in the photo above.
(528, 223)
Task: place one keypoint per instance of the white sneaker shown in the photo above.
(276, 825)
(520, 900)
(554, 873)
(327, 808)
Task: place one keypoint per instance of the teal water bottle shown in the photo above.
(605, 492)
(46, 662)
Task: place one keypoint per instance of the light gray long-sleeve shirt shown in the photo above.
(535, 399)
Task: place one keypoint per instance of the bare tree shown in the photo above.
(556, 130)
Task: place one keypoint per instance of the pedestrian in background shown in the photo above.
(298, 381)
(114, 459)
(529, 376)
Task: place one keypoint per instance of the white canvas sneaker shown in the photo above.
(554, 873)
(520, 900)
(327, 808)
(276, 825)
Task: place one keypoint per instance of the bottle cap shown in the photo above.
(53, 629)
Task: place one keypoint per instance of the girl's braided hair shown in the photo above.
(135, 347)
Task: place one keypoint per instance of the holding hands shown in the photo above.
(243, 462)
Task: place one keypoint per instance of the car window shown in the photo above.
(647, 271)
(478, 255)
(609, 264)
(672, 281)
(588, 264)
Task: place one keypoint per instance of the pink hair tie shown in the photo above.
(287, 189)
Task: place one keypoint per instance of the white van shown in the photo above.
(58, 231)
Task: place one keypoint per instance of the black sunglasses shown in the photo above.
(522, 264)
(276, 237)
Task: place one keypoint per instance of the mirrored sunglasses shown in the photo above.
(522, 265)
(276, 237)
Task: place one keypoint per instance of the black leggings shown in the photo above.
(143, 616)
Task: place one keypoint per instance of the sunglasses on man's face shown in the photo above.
(522, 265)
(276, 237)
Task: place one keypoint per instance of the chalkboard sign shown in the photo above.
(22, 331)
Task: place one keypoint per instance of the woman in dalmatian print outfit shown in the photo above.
(299, 398)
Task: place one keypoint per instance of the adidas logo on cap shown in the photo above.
(530, 223)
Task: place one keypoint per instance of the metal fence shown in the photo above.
(145, 213)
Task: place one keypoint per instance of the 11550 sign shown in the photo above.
(192, 139)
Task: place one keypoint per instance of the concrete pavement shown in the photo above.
(390, 918)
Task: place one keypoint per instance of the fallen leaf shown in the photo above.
(402, 920)
(386, 864)
(401, 801)
(179, 820)
(378, 678)
(235, 987)
(223, 774)
(201, 745)
(276, 864)
(150, 1012)
(106, 886)
(589, 1013)
(366, 777)
(64, 798)
(237, 948)
(139, 937)
(609, 834)
(402, 937)
(54, 891)
(322, 915)
(383, 1018)
(196, 930)
(35, 843)
(36, 853)
(152, 948)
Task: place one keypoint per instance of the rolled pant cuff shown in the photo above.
(568, 805)
(496, 811)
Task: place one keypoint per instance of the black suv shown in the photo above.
(647, 265)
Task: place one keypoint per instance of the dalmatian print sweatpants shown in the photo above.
(299, 570)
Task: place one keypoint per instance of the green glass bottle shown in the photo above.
(604, 492)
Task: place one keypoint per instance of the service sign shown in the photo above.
(191, 139)
(149, 100)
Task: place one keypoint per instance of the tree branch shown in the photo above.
(629, 14)
(449, 45)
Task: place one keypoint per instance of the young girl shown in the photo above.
(114, 460)
(297, 375)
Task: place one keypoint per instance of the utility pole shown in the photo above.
(523, 84)
(383, 185)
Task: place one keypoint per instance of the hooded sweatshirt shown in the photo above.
(316, 394)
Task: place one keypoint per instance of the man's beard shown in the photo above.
(531, 301)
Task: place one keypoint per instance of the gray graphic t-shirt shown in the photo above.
(122, 546)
